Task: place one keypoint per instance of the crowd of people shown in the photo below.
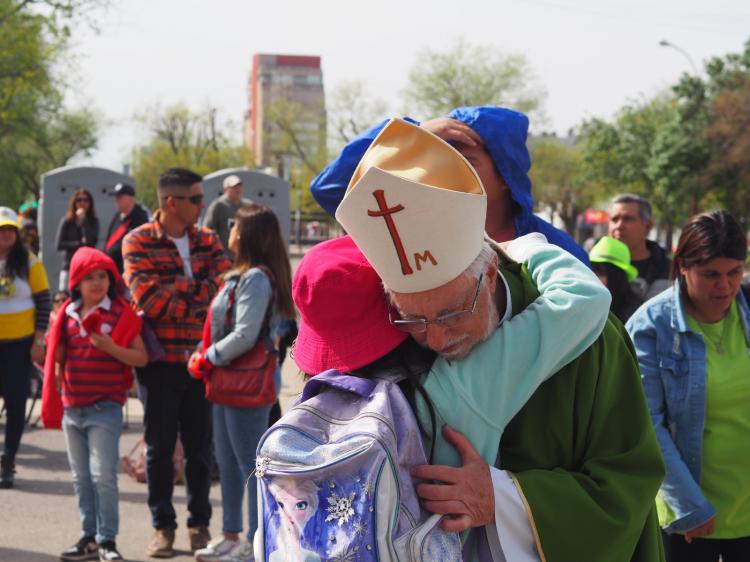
(570, 406)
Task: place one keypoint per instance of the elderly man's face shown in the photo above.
(627, 226)
(452, 342)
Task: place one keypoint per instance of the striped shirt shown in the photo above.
(173, 304)
(24, 303)
(91, 375)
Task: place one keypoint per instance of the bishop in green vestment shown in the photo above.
(584, 454)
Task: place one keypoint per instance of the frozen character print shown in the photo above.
(298, 502)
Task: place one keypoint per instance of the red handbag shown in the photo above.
(248, 381)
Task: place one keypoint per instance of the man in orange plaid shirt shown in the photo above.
(173, 269)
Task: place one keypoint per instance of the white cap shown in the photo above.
(231, 181)
(8, 217)
(415, 208)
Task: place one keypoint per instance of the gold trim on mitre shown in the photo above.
(413, 153)
(415, 208)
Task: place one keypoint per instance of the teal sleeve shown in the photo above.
(480, 394)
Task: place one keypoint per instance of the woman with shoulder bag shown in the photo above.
(692, 346)
(238, 321)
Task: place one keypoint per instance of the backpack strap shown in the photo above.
(336, 379)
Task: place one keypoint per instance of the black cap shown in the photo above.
(124, 189)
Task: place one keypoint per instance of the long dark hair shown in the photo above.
(17, 262)
(70, 215)
(413, 361)
(716, 234)
(261, 243)
(617, 283)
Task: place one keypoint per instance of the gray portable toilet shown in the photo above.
(268, 190)
(57, 187)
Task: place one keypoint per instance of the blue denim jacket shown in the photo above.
(673, 369)
(252, 293)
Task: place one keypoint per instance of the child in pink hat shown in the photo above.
(345, 325)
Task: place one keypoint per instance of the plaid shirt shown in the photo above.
(174, 304)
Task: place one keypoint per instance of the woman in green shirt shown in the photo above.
(693, 348)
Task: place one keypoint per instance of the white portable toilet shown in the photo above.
(57, 187)
(265, 189)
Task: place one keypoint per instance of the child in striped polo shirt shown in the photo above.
(94, 343)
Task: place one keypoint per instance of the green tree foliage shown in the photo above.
(651, 149)
(686, 151)
(471, 75)
(557, 180)
(718, 105)
(299, 147)
(37, 133)
(352, 110)
(179, 137)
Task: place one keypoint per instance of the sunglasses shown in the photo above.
(194, 199)
(82, 200)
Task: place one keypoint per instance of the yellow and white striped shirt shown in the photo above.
(17, 309)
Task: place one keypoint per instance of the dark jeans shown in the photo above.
(706, 550)
(175, 402)
(15, 381)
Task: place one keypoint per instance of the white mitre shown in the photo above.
(415, 208)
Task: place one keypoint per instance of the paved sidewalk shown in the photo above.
(39, 517)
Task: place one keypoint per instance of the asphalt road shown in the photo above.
(39, 516)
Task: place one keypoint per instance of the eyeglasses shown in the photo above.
(194, 199)
(231, 223)
(82, 200)
(449, 320)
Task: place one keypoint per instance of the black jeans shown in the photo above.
(15, 381)
(175, 402)
(706, 550)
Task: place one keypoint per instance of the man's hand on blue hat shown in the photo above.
(453, 131)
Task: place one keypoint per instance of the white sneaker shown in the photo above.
(243, 553)
(216, 550)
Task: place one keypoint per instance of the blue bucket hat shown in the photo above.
(504, 132)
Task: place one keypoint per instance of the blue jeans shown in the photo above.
(92, 435)
(236, 435)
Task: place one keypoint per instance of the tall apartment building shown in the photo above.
(293, 82)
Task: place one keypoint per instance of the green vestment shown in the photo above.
(584, 453)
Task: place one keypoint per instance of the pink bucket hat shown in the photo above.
(344, 316)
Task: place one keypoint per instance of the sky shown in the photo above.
(591, 56)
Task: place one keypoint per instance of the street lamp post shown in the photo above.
(665, 43)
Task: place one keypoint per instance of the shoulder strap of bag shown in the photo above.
(265, 328)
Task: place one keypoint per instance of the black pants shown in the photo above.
(15, 381)
(175, 402)
(706, 550)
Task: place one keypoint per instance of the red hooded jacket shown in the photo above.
(84, 261)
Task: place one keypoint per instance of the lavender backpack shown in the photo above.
(334, 483)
